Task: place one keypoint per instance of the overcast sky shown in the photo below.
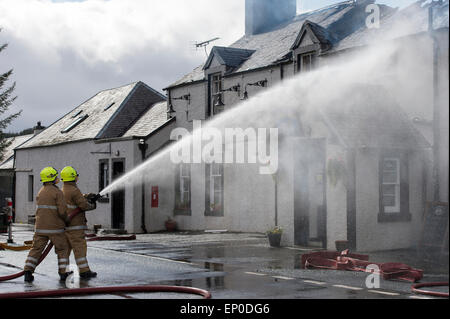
(64, 52)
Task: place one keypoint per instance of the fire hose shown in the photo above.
(106, 290)
(356, 262)
(98, 290)
(417, 289)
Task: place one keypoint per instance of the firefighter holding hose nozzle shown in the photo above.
(75, 229)
(51, 214)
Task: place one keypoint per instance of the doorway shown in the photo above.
(118, 197)
(310, 228)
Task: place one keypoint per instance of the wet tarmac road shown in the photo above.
(230, 266)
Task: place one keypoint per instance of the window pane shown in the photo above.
(185, 170)
(104, 175)
(216, 169)
(217, 184)
(389, 177)
(185, 198)
(30, 188)
(390, 165)
(185, 184)
(389, 190)
(389, 201)
(217, 199)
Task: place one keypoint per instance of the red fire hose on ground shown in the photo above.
(99, 290)
(106, 290)
(357, 262)
(417, 289)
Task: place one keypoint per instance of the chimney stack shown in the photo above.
(38, 128)
(263, 15)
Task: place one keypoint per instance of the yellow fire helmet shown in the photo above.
(48, 174)
(68, 174)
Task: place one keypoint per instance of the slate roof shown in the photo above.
(335, 24)
(366, 121)
(110, 114)
(154, 118)
(399, 23)
(8, 154)
(231, 57)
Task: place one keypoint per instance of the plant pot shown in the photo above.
(274, 239)
(341, 245)
(171, 225)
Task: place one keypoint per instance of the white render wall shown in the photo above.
(336, 203)
(372, 235)
(78, 155)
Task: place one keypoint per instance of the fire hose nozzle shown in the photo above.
(93, 198)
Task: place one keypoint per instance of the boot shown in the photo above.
(28, 276)
(64, 276)
(88, 275)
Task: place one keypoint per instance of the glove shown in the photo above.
(91, 197)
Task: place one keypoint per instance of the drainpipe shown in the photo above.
(143, 148)
(436, 113)
(13, 195)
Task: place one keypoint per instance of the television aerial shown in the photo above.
(204, 44)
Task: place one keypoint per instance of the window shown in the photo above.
(391, 185)
(306, 62)
(103, 175)
(74, 124)
(109, 106)
(394, 188)
(77, 114)
(216, 93)
(214, 189)
(183, 190)
(30, 188)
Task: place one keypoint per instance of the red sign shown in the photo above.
(155, 197)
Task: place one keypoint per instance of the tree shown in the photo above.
(6, 99)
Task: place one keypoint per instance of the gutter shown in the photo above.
(230, 75)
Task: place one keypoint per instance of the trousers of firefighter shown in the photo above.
(53, 209)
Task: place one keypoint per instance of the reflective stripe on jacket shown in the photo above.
(75, 199)
(51, 210)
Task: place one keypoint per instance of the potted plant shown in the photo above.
(274, 236)
(171, 225)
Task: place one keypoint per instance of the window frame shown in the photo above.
(101, 178)
(74, 124)
(216, 92)
(399, 212)
(180, 179)
(210, 177)
(312, 61)
(30, 188)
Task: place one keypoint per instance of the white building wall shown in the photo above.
(80, 156)
(372, 235)
(336, 202)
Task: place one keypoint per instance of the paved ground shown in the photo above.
(229, 265)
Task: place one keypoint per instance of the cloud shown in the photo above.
(65, 52)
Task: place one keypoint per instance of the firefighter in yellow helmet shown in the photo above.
(51, 215)
(75, 230)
